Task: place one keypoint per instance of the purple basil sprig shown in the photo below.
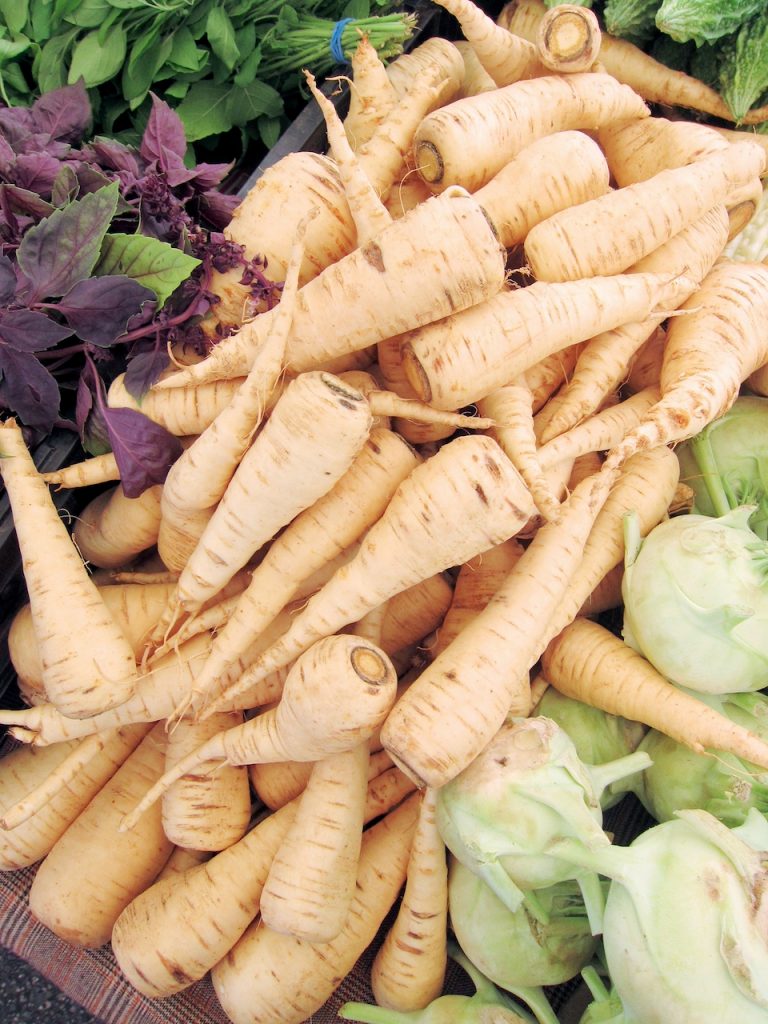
(73, 313)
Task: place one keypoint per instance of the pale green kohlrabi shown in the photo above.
(695, 596)
(503, 814)
(597, 736)
(718, 782)
(487, 1006)
(685, 926)
(513, 948)
(726, 464)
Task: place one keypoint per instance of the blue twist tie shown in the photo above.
(335, 44)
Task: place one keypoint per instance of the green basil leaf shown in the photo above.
(97, 62)
(221, 37)
(155, 264)
(89, 13)
(50, 65)
(249, 102)
(204, 110)
(270, 129)
(249, 68)
(14, 13)
(185, 54)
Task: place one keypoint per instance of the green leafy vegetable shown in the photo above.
(704, 20)
(744, 65)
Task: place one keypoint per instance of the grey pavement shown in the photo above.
(28, 998)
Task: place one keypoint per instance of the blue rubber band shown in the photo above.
(335, 44)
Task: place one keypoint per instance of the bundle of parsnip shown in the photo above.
(504, 301)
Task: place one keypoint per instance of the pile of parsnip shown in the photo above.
(402, 489)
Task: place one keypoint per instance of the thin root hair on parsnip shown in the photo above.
(81, 679)
(335, 695)
(459, 502)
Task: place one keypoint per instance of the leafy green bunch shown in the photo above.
(226, 66)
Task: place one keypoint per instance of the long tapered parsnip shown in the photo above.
(112, 528)
(452, 710)
(270, 978)
(709, 352)
(636, 150)
(476, 79)
(465, 357)
(311, 881)
(588, 662)
(314, 537)
(205, 811)
(505, 57)
(80, 678)
(23, 769)
(195, 918)
(316, 429)
(198, 479)
(608, 234)
(569, 39)
(93, 872)
(305, 725)
(550, 174)
(461, 501)
(603, 363)
(405, 278)
(161, 690)
(654, 81)
(408, 970)
(468, 141)
(406, 69)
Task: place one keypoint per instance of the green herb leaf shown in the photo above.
(252, 101)
(51, 63)
(155, 264)
(221, 37)
(203, 110)
(185, 54)
(96, 61)
(14, 13)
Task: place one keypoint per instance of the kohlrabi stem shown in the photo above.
(534, 998)
(603, 775)
(594, 900)
(705, 460)
(494, 875)
(595, 984)
(369, 1013)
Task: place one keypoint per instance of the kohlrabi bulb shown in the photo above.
(696, 601)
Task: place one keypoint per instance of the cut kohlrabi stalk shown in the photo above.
(695, 596)
(512, 948)
(597, 736)
(605, 1007)
(718, 782)
(502, 815)
(487, 1006)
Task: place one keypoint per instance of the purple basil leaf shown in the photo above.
(64, 248)
(36, 172)
(28, 389)
(16, 123)
(217, 207)
(28, 331)
(90, 178)
(83, 403)
(145, 364)
(165, 141)
(113, 155)
(7, 280)
(210, 175)
(98, 309)
(65, 188)
(41, 142)
(7, 155)
(144, 451)
(64, 113)
(21, 200)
